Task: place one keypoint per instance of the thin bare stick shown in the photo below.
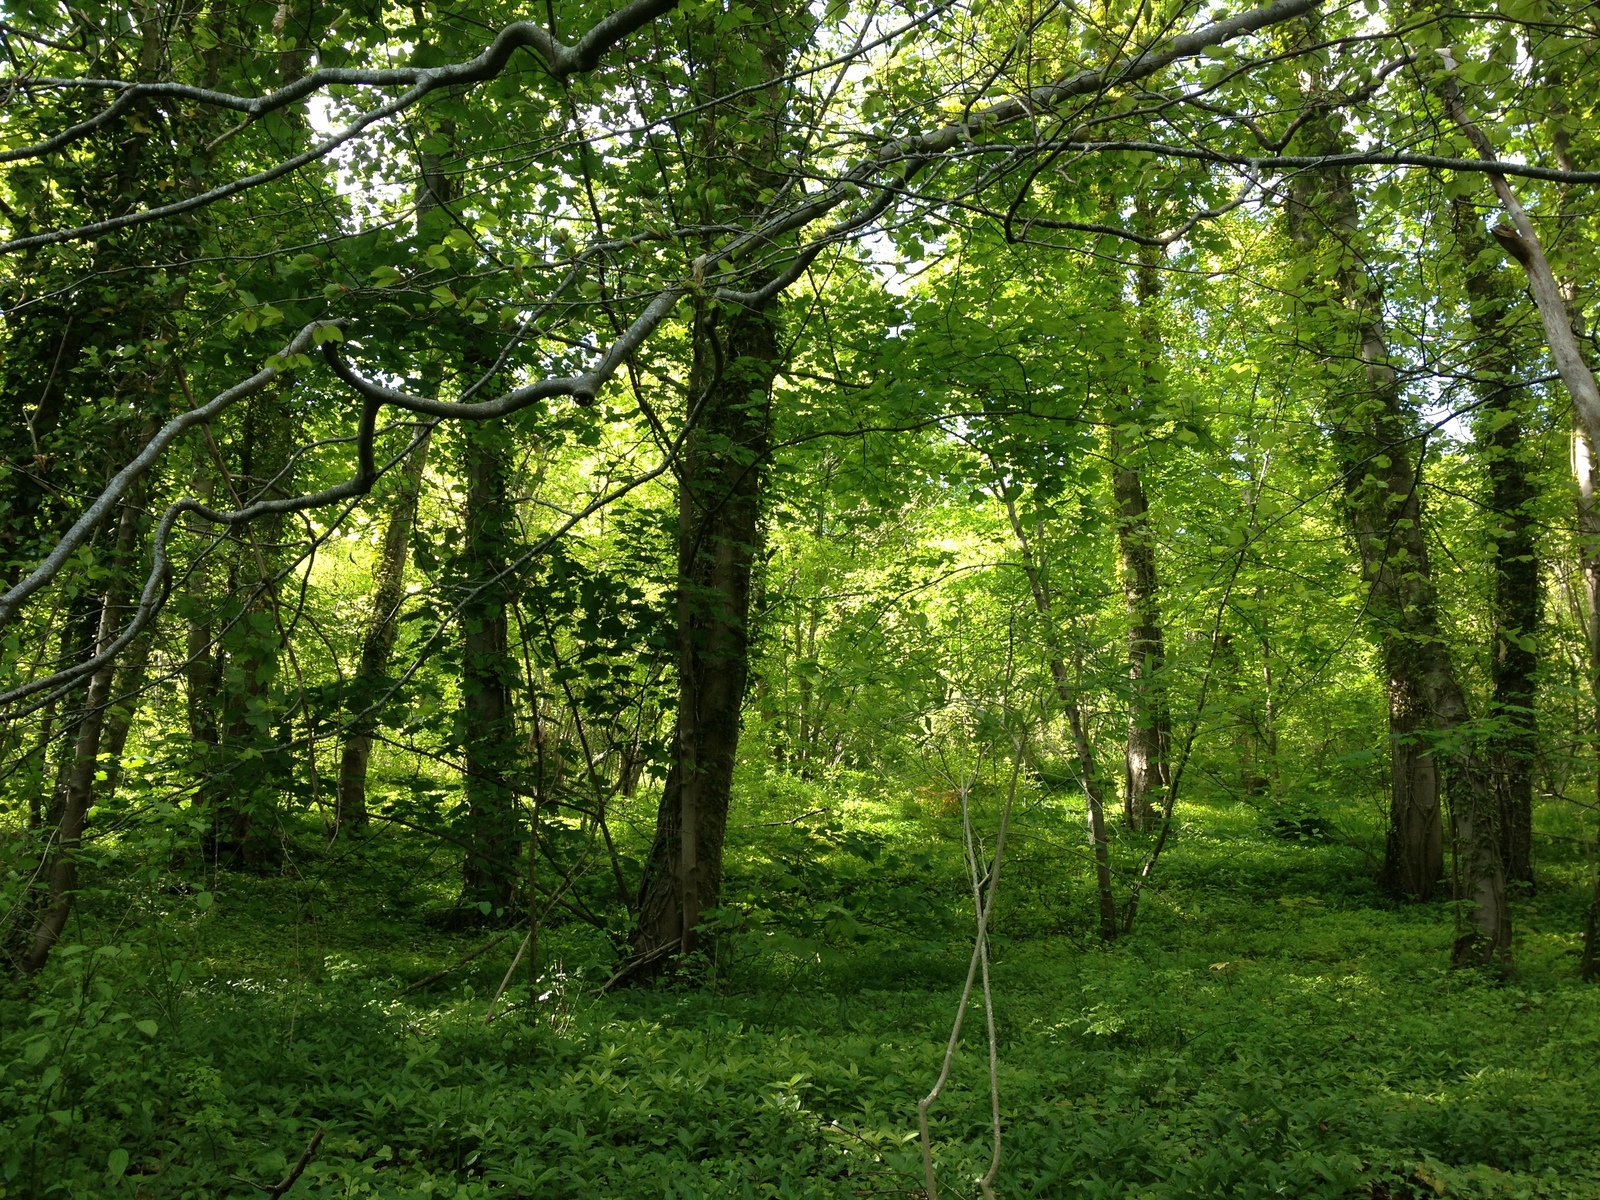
(987, 1182)
(460, 962)
(288, 1181)
(983, 903)
(510, 971)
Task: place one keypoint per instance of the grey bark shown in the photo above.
(1516, 602)
(1067, 692)
(1375, 435)
(1148, 752)
(377, 644)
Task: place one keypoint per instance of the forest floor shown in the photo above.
(1272, 1028)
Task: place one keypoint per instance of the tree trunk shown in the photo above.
(488, 733)
(126, 693)
(1374, 434)
(1588, 472)
(253, 762)
(60, 871)
(1149, 723)
(719, 511)
(1067, 692)
(202, 671)
(1513, 742)
(78, 642)
(366, 689)
(733, 153)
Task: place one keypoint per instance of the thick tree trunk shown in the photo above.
(719, 512)
(488, 733)
(1149, 723)
(1376, 435)
(377, 644)
(1373, 435)
(734, 149)
(1413, 848)
(1513, 743)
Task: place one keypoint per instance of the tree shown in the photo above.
(630, 262)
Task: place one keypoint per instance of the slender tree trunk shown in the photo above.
(1376, 436)
(126, 692)
(377, 644)
(202, 666)
(1513, 743)
(1269, 703)
(36, 776)
(1587, 464)
(488, 733)
(719, 512)
(60, 871)
(1149, 723)
(1067, 692)
(78, 643)
(253, 761)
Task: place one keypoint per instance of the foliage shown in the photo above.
(1276, 1026)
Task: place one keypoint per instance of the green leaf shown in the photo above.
(148, 1028)
(117, 1163)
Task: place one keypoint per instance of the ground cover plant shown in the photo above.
(1290, 1032)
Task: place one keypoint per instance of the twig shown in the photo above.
(460, 962)
(792, 820)
(983, 894)
(288, 1181)
(506, 982)
(633, 964)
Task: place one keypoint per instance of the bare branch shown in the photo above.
(561, 60)
(124, 479)
(582, 388)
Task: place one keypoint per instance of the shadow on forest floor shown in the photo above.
(1274, 1028)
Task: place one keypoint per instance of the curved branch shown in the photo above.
(158, 581)
(560, 60)
(582, 388)
(84, 527)
(1357, 158)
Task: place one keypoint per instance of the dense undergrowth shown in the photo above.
(1273, 1028)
